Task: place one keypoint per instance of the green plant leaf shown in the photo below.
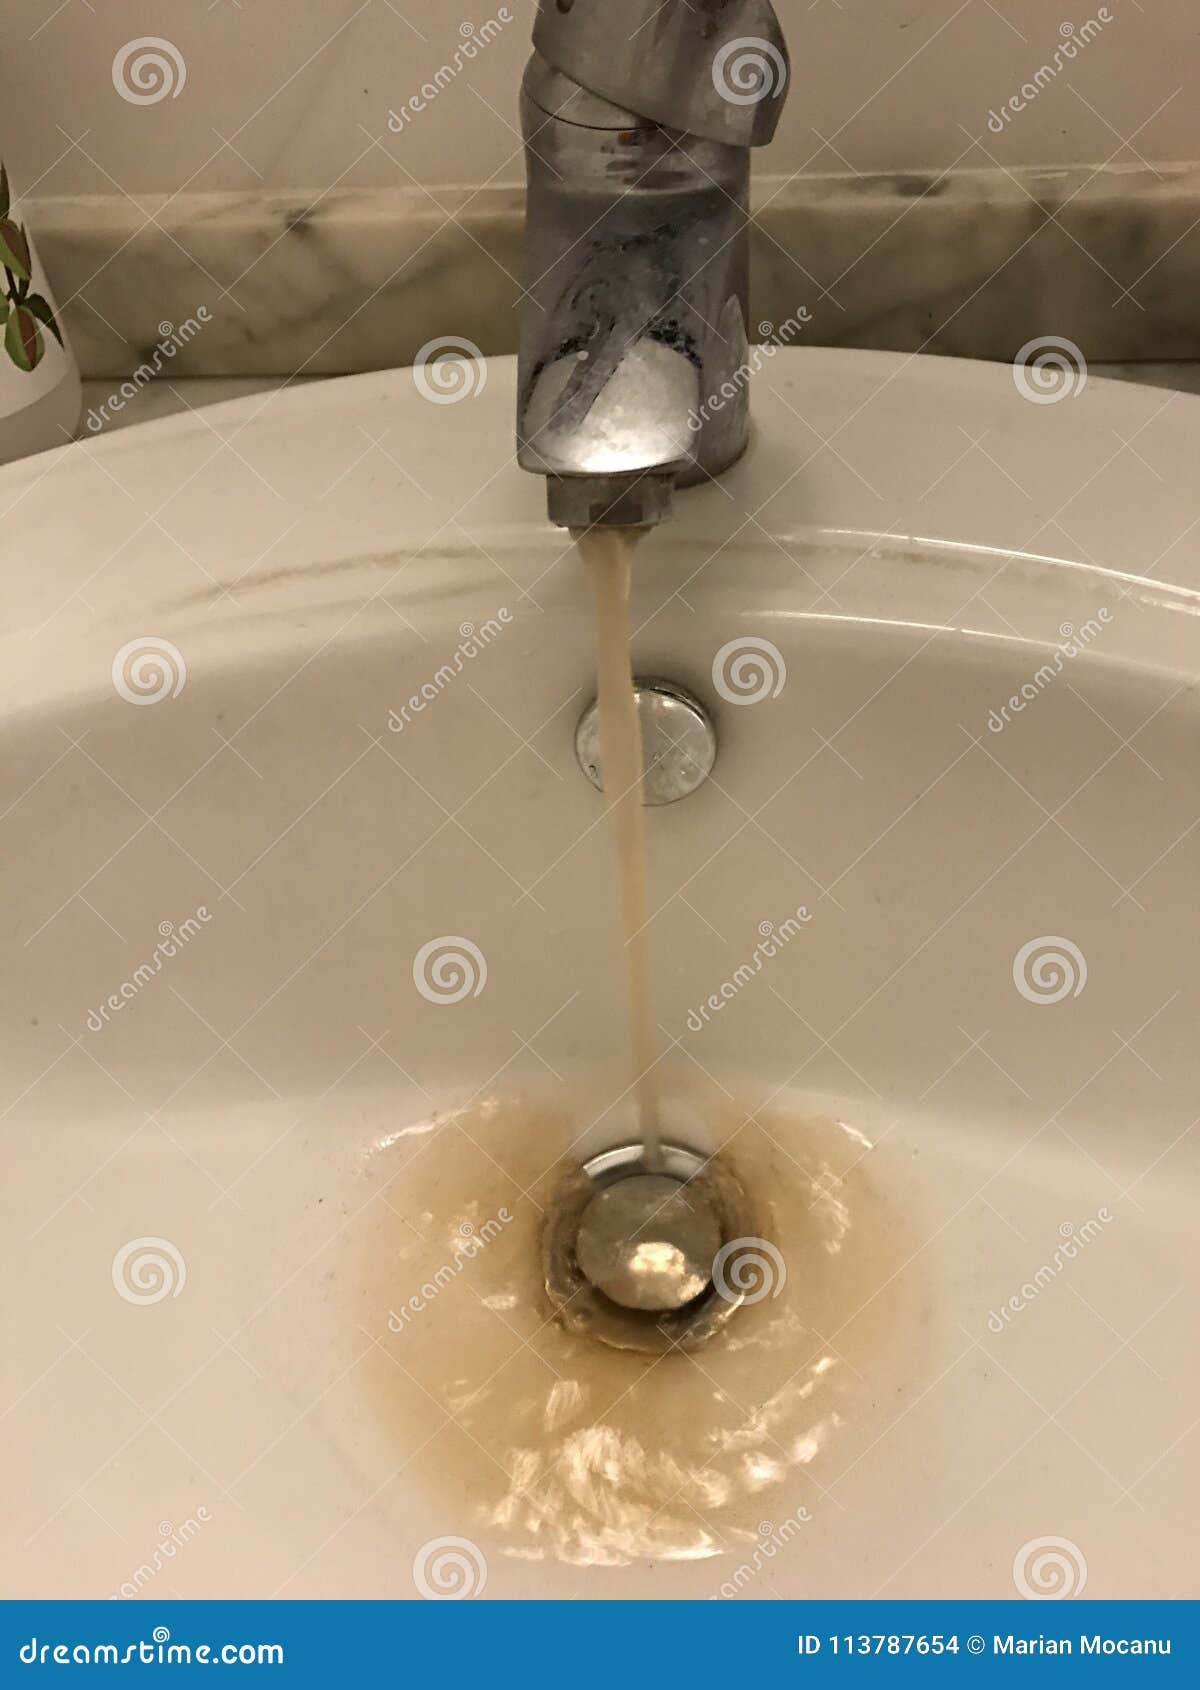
(23, 339)
(42, 310)
(3, 310)
(14, 249)
(5, 198)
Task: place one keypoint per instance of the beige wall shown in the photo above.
(296, 93)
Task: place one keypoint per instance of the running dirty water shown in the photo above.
(554, 1447)
(530, 1432)
(608, 554)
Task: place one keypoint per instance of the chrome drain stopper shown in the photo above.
(628, 1251)
(648, 1243)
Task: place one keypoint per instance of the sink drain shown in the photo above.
(628, 1252)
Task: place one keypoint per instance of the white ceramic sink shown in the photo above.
(222, 1183)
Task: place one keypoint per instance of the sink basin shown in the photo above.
(310, 974)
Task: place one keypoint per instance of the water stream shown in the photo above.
(608, 554)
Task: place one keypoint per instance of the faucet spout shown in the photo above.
(631, 375)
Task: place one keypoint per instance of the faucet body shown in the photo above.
(638, 117)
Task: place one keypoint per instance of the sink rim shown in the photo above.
(116, 496)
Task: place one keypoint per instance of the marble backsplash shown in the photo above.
(973, 263)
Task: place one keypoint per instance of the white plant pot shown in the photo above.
(40, 392)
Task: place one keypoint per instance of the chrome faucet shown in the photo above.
(638, 117)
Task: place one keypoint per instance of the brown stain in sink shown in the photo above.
(394, 558)
(552, 1446)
